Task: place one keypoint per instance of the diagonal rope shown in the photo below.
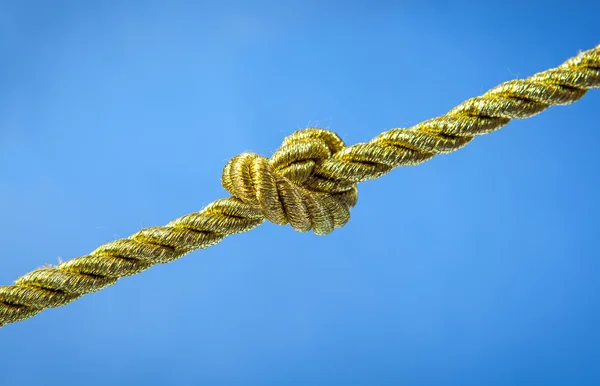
(309, 183)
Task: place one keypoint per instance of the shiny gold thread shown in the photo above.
(309, 183)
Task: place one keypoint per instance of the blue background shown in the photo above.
(476, 268)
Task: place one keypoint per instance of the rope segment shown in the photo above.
(309, 183)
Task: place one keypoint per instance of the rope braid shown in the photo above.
(309, 183)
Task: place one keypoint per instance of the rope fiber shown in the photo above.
(309, 183)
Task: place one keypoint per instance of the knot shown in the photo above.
(277, 187)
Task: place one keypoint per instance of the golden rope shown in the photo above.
(310, 183)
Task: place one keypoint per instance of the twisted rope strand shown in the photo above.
(310, 183)
(519, 98)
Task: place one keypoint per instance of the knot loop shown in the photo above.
(276, 187)
(301, 151)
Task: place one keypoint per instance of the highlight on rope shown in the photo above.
(310, 183)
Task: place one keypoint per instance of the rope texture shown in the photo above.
(310, 183)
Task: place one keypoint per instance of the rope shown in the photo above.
(309, 183)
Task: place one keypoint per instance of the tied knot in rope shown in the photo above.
(278, 188)
(309, 183)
